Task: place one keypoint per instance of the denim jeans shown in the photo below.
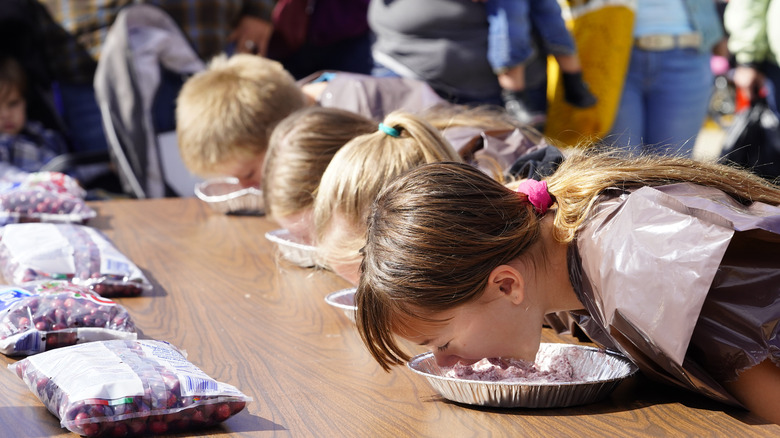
(512, 24)
(664, 102)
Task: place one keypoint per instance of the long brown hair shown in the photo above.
(435, 234)
(300, 148)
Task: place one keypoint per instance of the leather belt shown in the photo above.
(668, 42)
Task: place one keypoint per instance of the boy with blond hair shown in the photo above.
(225, 114)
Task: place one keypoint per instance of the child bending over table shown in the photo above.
(226, 113)
(356, 174)
(303, 144)
(671, 261)
(299, 151)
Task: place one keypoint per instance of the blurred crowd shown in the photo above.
(635, 74)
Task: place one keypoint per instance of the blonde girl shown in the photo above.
(355, 176)
(669, 260)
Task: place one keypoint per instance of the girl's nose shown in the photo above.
(445, 360)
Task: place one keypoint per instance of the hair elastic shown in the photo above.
(389, 130)
(537, 194)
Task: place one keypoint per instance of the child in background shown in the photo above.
(510, 46)
(459, 263)
(25, 144)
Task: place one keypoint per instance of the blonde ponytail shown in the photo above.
(362, 168)
(585, 174)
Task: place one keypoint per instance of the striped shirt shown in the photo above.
(33, 147)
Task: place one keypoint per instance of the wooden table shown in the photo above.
(261, 324)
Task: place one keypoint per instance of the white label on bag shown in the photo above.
(112, 262)
(90, 370)
(192, 379)
(39, 246)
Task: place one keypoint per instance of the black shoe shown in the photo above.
(576, 92)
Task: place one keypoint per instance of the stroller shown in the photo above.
(143, 46)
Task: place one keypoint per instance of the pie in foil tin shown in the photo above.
(291, 250)
(596, 374)
(226, 195)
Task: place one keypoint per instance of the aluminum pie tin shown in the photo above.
(226, 195)
(599, 373)
(344, 299)
(296, 252)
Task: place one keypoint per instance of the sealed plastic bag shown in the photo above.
(54, 182)
(43, 197)
(47, 315)
(77, 253)
(35, 205)
(119, 388)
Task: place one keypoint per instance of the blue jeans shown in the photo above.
(512, 24)
(664, 102)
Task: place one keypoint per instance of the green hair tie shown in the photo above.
(389, 130)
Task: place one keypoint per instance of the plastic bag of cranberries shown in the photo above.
(47, 315)
(127, 388)
(43, 197)
(55, 182)
(72, 252)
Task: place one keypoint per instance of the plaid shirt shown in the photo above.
(31, 148)
(76, 29)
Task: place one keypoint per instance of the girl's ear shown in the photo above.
(507, 282)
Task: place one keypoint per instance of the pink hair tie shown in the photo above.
(537, 194)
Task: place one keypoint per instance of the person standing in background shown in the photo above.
(669, 81)
(755, 44)
(441, 42)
